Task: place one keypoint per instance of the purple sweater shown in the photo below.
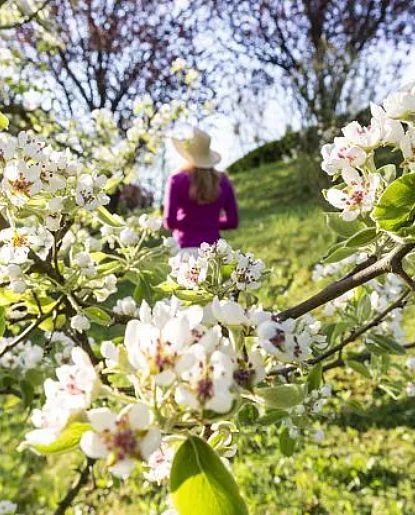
(193, 223)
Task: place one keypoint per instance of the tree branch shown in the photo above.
(75, 489)
(350, 281)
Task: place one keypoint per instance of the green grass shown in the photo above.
(365, 465)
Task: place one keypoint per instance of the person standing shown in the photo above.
(199, 200)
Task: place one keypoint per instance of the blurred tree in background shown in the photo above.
(332, 54)
(106, 53)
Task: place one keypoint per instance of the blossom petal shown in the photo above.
(122, 468)
(102, 419)
(150, 443)
(139, 416)
(92, 445)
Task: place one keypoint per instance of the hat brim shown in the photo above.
(212, 159)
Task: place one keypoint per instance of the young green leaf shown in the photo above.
(315, 377)
(201, 484)
(341, 227)
(283, 396)
(67, 440)
(362, 238)
(287, 444)
(358, 367)
(4, 122)
(272, 417)
(97, 315)
(107, 218)
(396, 207)
(339, 254)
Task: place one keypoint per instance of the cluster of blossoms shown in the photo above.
(311, 406)
(23, 356)
(291, 340)
(184, 364)
(201, 271)
(352, 155)
(42, 187)
(128, 233)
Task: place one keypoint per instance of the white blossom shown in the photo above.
(341, 155)
(80, 323)
(357, 197)
(128, 237)
(122, 439)
(7, 507)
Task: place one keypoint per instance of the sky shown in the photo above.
(274, 123)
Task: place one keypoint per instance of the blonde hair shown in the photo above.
(204, 184)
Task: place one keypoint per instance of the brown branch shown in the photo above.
(338, 288)
(24, 333)
(71, 494)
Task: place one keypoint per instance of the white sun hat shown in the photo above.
(196, 149)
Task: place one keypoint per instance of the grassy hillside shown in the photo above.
(366, 464)
(282, 223)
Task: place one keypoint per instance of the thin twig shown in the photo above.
(71, 494)
(24, 334)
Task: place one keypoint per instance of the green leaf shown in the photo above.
(2, 320)
(362, 238)
(109, 267)
(388, 344)
(248, 414)
(287, 444)
(272, 417)
(358, 367)
(388, 172)
(143, 290)
(168, 287)
(341, 227)
(396, 207)
(364, 308)
(315, 377)
(97, 315)
(283, 396)
(4, 122)
(339, 254)
(67, 440)
(194, 296)
(107, 218)
(52, 323)
(201, 484)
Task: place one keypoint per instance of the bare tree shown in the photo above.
(324, 49)
(110, 51)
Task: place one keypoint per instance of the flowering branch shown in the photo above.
(353, 336)
(338, 288)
